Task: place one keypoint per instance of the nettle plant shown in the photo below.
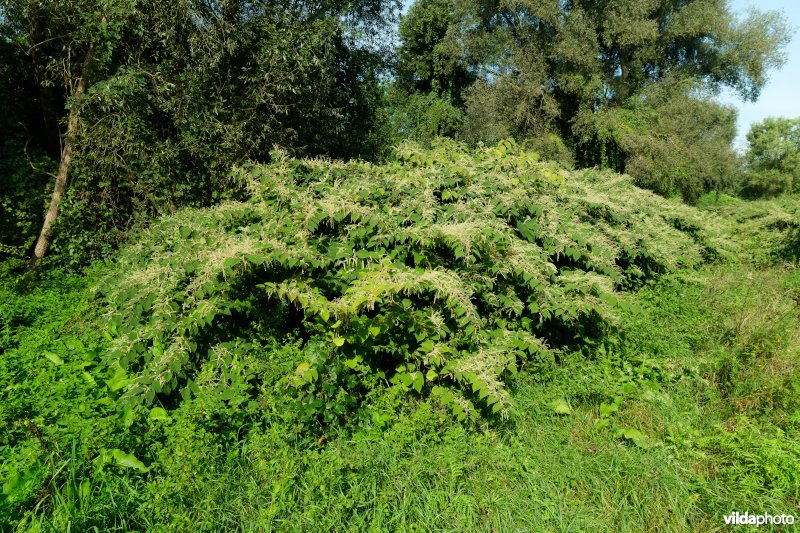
(436, 275)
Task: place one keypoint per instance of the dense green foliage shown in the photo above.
(422, 117)
(625, 83)
(178, 92)
(429, 61)
(770, 229)
(594, 53)
(773, 158)
(685, 410)
(334, 294)
(25, 179)
(440, 273)
(668, 140)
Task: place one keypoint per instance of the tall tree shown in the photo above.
(429, 60)
(154, 102)
(551, 65)
(68, 43)
(616, 47)
(773, 157)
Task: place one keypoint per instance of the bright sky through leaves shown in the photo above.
(780, 96)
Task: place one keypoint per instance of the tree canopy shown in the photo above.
(177, 92)
(575, 67)
(773, 157)
(596, 52)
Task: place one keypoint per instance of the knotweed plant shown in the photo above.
(436, 275)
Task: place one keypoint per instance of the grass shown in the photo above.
(713, 394)
(705, 452)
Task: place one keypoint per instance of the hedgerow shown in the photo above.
(437, 275)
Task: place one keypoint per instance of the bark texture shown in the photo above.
(46, 235)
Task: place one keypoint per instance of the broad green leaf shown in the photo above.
(118, 381)
(159, 413)
(53, 358)
(127, 460)
(230, 263)
(608, 409)
(419, 380)
(255, 259)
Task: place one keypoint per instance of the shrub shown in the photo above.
(436, 275)
(668, 139)
(423, 117)
(23, 183)
(766, 183)
(769, 230)
(551, 147)
(508, 107)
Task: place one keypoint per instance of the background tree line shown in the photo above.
(625, 84)
(155, 101)
(113, 112)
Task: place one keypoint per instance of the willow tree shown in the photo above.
(547, 66)
(594, 53)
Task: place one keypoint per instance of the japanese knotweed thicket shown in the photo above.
(768, 230)
(436, 275)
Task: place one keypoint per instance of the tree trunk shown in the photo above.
(43, 243)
